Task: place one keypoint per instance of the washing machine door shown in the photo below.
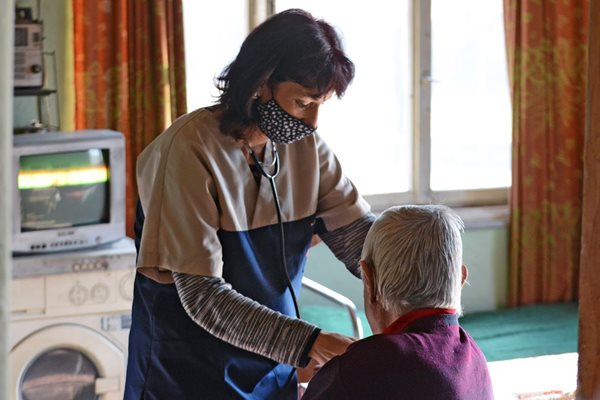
(66, 361)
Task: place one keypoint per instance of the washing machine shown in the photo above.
(69, 323)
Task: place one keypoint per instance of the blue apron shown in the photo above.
(171, 357)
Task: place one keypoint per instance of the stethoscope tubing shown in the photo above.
(271, 178)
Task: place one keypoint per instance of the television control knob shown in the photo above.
(78, 294)
(36, 68)
(100, 293)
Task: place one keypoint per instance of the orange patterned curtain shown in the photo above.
(547, 42)
(129, 73)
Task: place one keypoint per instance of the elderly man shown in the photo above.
(413, 275)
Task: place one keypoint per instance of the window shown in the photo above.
(213, 31)
(374, 144)
(427, 118)
(470, 105)
(430, 106)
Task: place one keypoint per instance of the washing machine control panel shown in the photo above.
(73, 294)
(98, 283)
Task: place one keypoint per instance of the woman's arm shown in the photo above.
(347, 241)
(243, 322)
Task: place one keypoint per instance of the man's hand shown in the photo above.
(329, 345)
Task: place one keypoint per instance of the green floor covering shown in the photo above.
(527, 331)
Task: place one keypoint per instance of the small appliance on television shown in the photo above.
(68, 191)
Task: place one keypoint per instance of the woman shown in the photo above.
(222, 244)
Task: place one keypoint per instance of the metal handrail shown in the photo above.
(334, 296)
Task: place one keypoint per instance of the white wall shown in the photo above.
(6, 95)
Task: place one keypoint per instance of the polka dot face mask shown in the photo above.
(279, 126)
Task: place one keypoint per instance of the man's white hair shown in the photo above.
(415, 253)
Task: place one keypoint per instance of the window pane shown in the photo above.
(370, 128)
(470, 103)
(214, 32)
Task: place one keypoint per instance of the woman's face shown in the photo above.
(296, 100)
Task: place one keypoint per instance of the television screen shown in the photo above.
(64, 189)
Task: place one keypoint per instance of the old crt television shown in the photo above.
(68, 191)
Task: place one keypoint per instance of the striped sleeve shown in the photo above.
(347, 241)
(243, 322)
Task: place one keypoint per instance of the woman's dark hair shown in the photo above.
(289, 46)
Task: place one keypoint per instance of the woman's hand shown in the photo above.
(305, 374)
(329, 345)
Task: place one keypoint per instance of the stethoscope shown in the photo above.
(276, 166)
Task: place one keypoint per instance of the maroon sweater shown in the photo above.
(425, 354)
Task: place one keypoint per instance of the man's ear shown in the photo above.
(465, 275)
(368, 281)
